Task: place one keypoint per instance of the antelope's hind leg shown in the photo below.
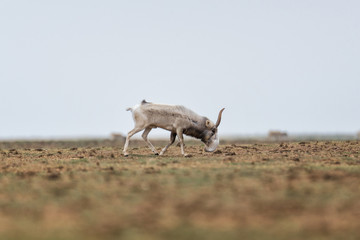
(130, 134)
(144, 136)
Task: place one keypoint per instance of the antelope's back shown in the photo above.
(162, 115)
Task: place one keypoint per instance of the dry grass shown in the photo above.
(307, 190)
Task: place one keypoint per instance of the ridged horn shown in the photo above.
(219, 118)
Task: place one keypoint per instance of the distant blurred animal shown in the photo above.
(277, 135)
(176, 119)
(117, 137)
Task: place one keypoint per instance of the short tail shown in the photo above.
(129, 109)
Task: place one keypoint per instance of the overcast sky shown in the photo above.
(71, 68)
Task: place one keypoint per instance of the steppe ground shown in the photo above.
(262, 190)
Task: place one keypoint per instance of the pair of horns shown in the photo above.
(219, 118)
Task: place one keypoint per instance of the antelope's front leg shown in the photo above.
(172, 140)
(181, 138)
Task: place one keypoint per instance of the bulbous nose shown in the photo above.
(212, 146)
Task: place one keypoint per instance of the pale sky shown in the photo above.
(71, 68)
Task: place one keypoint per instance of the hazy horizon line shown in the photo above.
(164, 135)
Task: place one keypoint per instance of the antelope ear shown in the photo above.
(208, 124)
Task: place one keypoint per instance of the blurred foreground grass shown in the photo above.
(296, 190)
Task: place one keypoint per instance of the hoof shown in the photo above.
(126, 155)
(156, 154)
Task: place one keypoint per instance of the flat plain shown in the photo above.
(262, 190)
